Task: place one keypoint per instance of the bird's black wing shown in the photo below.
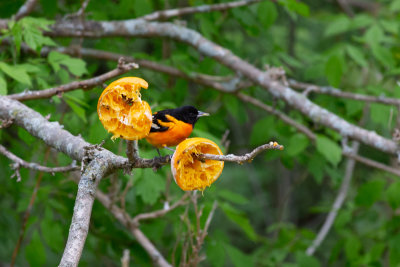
(155, 126)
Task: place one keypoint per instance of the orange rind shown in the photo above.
(188, 171)
(122, 111)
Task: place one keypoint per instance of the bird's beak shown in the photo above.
(202, 114)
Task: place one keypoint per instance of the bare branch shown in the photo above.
(25, 9)
(125, 220)
(125, 258)
(166, 14)
(85, 84)
(79, 228)
(28, 211)
(160, 213)
(330, 219)
(141, 28)
(34, 166)
(132, 151)
(81, 10)
(301, 128)
(328, 90)
(244, 158)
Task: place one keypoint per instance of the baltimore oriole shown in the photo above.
(172, 126)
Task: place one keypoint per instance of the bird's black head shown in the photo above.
(188, 114)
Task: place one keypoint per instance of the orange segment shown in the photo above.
(122, 111)
(189, 172)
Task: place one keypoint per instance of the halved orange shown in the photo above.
(189, 172)
(122, 111)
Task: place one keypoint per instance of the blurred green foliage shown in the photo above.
(270, 210)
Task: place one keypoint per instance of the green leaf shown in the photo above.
(18, 74)
(374, 35)
(316, 166)
(74, 65)
(352, 247)
(297, 144)
(393, 195)
(216, 253)
(232, 197)
(303, 260)
(142, 7)
(78, 110)
(262, 131)
(380, 114)
(3, 85)
(329, 149)
(395, 5)
(52, 234)
(383, 55)
(340, 25)
(356, 54)
(238, 258)
(394, 250)
(296, 6)
(334, 70)
(240, 219)
(234, 107)
(267, 13)
(34, 251)
(369, 193)
(150, 186)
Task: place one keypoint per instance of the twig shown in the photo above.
(125, 258)
(25, 9)
(373, 163)
(160, 213)
(338, 93)
(28, 211)
(125, 219)
(346, 7)
(18, 162)
(301, 128)
(244, 158)
(84, 5)
(85, 84)
(166, 14)
(132, 151)
(344, 187)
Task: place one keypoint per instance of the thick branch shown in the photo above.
(166, 14)
(25, 9)
(85, 84)
(35, 166)
(132, 28)
(328, 90)
(244, 158)
(79, 228)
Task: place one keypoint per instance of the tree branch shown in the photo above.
(79, 228)
(85, 84)
(330, 219)
(141, 28)
(248, 157)
(25, 9)
(125, 220)
(159, 213)
(34, 166)
(166, 14)
(328, 90)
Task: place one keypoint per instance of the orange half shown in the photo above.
(122, 111)
(191, 173)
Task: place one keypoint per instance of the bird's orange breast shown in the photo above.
(176, 133)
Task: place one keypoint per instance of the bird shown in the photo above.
(172, 126)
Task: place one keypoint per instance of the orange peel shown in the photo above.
(122, 111)
(188, 171)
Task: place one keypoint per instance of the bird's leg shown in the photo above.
(158, 151)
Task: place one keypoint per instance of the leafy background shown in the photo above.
(270, 210)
